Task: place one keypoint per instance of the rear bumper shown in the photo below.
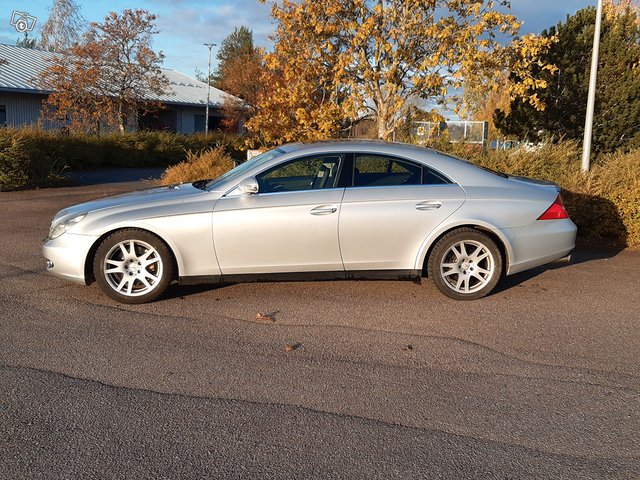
(542, 242)
(66, 256)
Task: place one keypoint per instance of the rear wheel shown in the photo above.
(133, 266)
(465, 264)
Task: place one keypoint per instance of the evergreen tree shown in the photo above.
(26, 42)
(238, 44)
(239, 73)
(617, 109)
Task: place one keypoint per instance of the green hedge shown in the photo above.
(32, 157)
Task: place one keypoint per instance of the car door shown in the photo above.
(390, 209)
(289, 225)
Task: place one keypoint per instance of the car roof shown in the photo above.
(350, 144)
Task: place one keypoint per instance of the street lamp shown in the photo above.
(206, 115)
(588, 122)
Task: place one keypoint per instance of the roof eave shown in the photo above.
(25, 90)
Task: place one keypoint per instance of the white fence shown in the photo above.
(462, 131)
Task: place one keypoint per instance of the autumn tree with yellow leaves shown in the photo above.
(615, 8)
(510, 74)
(338, 60)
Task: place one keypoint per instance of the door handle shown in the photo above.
(324, 210)
(428, 205)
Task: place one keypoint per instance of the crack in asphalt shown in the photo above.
(232, 400)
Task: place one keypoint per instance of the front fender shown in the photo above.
(189, 237)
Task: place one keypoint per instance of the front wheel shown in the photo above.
(465, 264)
(133, 266)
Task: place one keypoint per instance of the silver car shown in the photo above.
(327, 210)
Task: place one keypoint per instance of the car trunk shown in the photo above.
(534, 181)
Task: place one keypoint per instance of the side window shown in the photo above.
(3, 115)
(431, 177)
(310, 173)
(380, 171)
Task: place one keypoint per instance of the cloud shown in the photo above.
(186, 26)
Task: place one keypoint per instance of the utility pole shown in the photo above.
(588, 123)
(206, 115)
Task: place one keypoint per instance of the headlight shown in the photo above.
(59, 229)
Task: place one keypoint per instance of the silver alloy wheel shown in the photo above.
(468, 266)
(132, 268)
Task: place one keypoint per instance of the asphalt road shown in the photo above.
(386, 379)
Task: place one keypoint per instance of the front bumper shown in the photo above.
(67, 254)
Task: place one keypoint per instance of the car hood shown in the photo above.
(140, 198)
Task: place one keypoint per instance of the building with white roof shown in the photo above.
(21, 97)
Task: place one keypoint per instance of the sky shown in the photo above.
(185, 25)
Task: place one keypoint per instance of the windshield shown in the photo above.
(239, 171)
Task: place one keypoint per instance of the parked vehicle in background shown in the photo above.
(327, 210)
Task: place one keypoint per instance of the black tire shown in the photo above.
(465, 264)
(133, 266)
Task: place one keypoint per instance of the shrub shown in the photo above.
(617, 179)
(209, 164)
(14, 162)
(24, 164)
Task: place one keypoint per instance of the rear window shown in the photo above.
(383, 171)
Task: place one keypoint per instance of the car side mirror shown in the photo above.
(248, 186)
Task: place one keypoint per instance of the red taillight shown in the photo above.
(555, 212)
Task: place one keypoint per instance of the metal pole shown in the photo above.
(206, 115)
(588, 123)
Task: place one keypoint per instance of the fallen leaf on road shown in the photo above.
(290, 347)
(407, 348)
(265, 317)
